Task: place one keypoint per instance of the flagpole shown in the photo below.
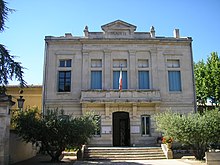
(120, 81)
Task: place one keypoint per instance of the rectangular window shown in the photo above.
(172, 63)
(96, 63)
(97, 120)
(96, 79)
(174, 78)
(145, 125)
(65, 63)
(116, 75)
(143, 63)
(64, 81)
(120, 63)
(143, 80)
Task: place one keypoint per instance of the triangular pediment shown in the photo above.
(118, 25)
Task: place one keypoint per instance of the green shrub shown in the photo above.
(195, 130)
(55, 130)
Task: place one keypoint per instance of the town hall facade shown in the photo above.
(81, 74)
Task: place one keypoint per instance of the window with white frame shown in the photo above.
(65, 63)
(145, 125)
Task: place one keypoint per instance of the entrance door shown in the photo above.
(121, 129)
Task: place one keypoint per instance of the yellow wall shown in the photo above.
(20, 150)
(31, 94)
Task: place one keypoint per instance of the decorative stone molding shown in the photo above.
(114, 96)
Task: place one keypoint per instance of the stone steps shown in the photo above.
(123, 153)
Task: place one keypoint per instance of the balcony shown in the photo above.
(132, 96)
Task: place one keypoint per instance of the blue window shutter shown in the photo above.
(124, 80)
(116, 75)
(96, 80)
(115, 79)
(143, 80)
(174, 80)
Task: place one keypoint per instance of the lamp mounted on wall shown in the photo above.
(20, 100)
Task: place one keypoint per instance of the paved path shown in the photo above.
(44, 160)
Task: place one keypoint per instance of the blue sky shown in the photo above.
(35, 19)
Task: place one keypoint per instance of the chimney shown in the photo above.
(86, 31)
(176, 33)
(152, 32)
(68, 35)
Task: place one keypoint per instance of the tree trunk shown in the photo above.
(55, 156)
(199, 153)
(79, 154)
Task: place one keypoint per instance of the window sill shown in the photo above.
(146, 135)
(175, 92)
(96, 136)
(63, 93)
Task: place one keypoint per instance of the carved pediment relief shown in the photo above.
(118, 28)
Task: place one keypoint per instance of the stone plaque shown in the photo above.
(106, 129)
(135, 129)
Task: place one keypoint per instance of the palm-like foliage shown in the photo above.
(9, 68)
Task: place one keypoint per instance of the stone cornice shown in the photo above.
(157, 41)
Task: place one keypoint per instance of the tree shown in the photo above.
(9, 68)
(213, 78)
(200, 79)
(195, 130)
(207, 78)
(55, 130)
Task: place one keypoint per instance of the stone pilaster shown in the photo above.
(107, 107)
(107, 70)
(154, 67)
(5, 104)
(134, 111)
(132, 71)
(85, 71)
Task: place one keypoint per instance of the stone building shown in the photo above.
(81, 74)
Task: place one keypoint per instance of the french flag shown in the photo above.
(120, 80)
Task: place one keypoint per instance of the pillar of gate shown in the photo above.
(5, 104)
